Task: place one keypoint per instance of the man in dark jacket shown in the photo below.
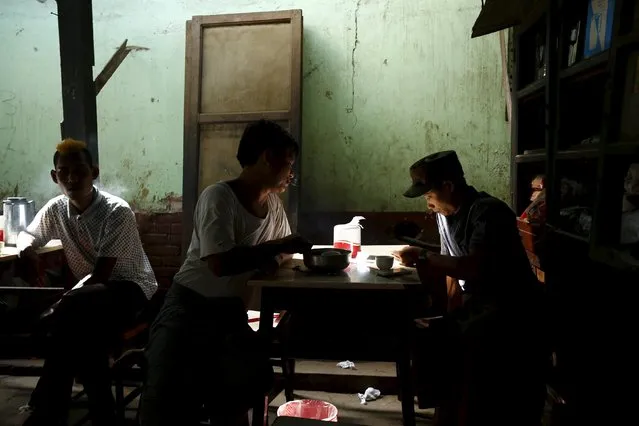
(496, 300)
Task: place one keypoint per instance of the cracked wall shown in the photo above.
(385, 82)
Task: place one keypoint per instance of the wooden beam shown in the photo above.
(504, 76)
(75, 29)
(113, 64)
(111, 67)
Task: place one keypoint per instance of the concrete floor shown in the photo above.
(15, 391)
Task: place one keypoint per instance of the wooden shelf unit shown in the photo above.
(580, 123)
(558, 107)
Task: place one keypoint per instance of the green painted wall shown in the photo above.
(385, 82)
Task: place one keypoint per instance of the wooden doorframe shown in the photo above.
(192, 98)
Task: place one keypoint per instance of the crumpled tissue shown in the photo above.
(25, 409)
(370, 394)
(346, 364)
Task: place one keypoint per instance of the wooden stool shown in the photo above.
(280, 350)
(129, 368)
(122, 368)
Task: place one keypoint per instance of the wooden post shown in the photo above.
(75, 27)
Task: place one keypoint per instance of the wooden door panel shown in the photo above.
(255, 74)
(218, 148)
(239, 68)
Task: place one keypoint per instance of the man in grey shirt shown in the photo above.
(201, 350)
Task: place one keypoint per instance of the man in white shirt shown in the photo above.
(103, 250)
(201, 350)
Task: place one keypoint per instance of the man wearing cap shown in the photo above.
(498, 346)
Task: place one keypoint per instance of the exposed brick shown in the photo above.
(174, 261)
(163, 228)
(175, 239)
(164, 282)
(157, 260)
(168, 217)
(176, 228)
(141, 216)
(163, 218)
(165, 271)
(162, 250)
(145, 222)
(152, 239)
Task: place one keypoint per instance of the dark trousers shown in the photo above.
(202, 353)
(490, 371)
(85, 325)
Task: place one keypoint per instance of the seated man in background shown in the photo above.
(496, 301)
(202, 351)
(103, 250)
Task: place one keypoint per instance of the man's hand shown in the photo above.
(29, 254)
(269, 268)
(30, 267)
(408, 256)
(295, 243)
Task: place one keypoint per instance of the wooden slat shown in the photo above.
(606, 223)
(243, 117)
(191, 129)
(295, 125)
(514, 130)
(111, 66)
(553, 112)
(283, 16)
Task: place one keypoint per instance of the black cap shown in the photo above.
(432, 170)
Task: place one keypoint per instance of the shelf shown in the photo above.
(578, 153)
(595, 65)
(533, 89)
(530, 158)
(628, 40)
(570, 235)
(615, 258)
(622, 148)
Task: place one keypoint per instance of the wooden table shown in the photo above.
(22, 304)
(292, 284)
(8, 254)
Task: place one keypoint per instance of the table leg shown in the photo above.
(260, 408)
(6, 274)
(405, 378)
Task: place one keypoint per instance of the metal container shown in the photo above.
(18, 214)
(329, 260)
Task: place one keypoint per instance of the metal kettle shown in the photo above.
(18, 214)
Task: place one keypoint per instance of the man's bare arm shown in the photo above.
(241, 259)
(102, 270)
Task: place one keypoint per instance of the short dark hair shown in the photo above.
(71, 146)
(264, 135)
